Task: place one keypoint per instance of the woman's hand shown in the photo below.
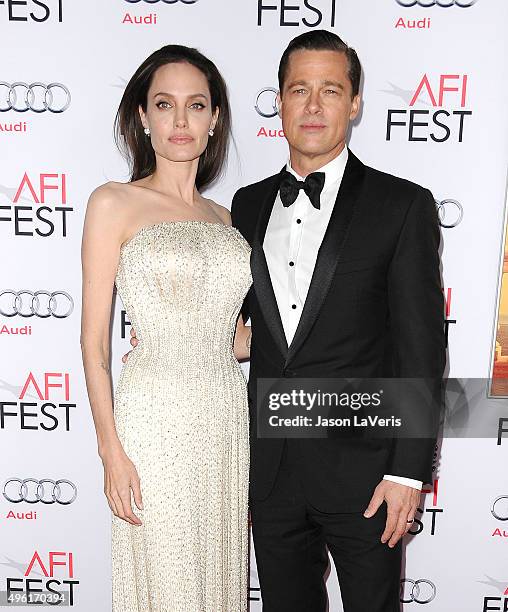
(120, 477)
(134, 343)
(241, 347)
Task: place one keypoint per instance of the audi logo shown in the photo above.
(450, 212)
(37, 97)
(443, 3)
(420, 591)
(266, 102)
(42, 304)
(500, 508)
(46, 491)
(165, 1)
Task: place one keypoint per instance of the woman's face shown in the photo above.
(179, 112)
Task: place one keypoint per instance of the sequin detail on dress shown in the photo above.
(181, 414)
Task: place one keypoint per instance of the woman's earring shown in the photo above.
(147, 131)
(210, 132)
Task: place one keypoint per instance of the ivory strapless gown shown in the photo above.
(181, 413)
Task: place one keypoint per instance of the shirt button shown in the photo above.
(293, 306)
(298, 220)
(291, 263)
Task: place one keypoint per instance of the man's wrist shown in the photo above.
(408, 482)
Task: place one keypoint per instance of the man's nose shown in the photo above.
(313, 102)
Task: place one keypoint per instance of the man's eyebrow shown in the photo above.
(333, 84)
(324, 84)
(300, 82)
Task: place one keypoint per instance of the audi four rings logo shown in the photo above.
(450, 213)
(266, 102)
(43, 304)
(420, 591)
(165, 1)
(36, 97)
(443, 3)
(500, 508)
(46, 491)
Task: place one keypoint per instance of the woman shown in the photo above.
(178, 437)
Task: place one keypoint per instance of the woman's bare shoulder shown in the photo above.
(221, 211)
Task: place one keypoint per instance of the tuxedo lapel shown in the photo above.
(261, 275)
(330, 250)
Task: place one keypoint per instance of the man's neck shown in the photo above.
(304, 164)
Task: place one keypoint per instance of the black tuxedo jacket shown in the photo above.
(374, 309)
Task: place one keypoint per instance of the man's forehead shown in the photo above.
(333, 63)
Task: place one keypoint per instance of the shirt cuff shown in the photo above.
(409, 482)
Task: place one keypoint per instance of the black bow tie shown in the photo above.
(312, 185)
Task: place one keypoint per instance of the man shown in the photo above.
(346, 284)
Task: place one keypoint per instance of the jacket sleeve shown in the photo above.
(416, 307)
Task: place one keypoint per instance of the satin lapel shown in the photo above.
(261, 276)
(330, 250)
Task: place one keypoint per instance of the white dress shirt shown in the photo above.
(292, 240)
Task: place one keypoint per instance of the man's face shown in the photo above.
(316, 104)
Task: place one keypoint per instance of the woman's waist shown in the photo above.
(154, 361)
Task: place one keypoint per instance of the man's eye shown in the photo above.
(331, 91)
(299, 91)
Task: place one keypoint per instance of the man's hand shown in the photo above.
(401, 501)
(134, 343)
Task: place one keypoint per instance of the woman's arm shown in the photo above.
(241, 346)
(102, 237)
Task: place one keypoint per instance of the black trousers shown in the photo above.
(290, 541)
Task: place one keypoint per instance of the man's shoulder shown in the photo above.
(393, 185)
(258, 187)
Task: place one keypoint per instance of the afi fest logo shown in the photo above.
(432, 513)
(47, 580)
(44, 404)
(502, 428)
(265, 105)
(499, 603)
(37, 206)
(296, 13)
(448, 308)
(33, 11)
(444, 116)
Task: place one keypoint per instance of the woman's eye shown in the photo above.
(163, 104)
(198, 105)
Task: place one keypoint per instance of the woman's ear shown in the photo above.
(142, 116)
(215, 118)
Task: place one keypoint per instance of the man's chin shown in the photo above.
(312, 149)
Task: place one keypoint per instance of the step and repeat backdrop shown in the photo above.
(434, 110)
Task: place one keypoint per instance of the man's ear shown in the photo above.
(355, 108)
(279, 103)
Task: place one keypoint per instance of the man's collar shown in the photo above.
(334, 169)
